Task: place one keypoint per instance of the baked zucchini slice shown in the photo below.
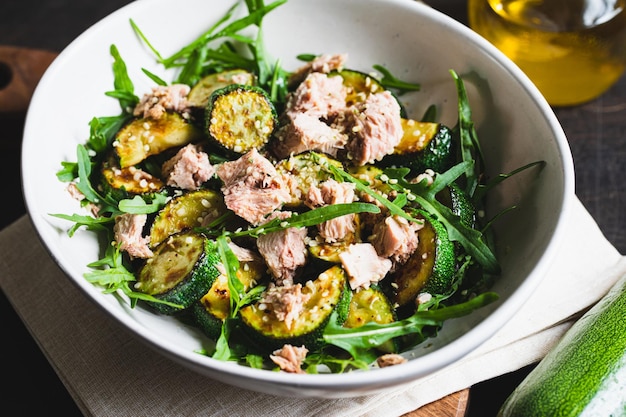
(240, 118)
(214, 307)
(126, 182)
(144, 137)
(307, 172)
(358, 84)
(181, 271)
(326, 293)
(424, 145)
(200, 93)
(185, 212)
(430, 268)
(371, 305)
(371, 175)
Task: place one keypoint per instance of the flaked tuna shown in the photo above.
(305, 125)
(374, 128)
(162, 99)
(396, 238)
(305, 132)
(390, 359)
(324, 63)
(188, 169)
(128, 232)
(318, 95)
(290, 358)
(286, 302)
(252, 187)
(284, 251)
(333, 192)
(363, 265)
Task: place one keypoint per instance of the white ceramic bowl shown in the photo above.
(516, 126)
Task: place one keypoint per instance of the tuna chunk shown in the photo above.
(188, 169)
(363, 265)
(163, 98)
(304, 132)
(284, 252)
(390, 359)
(289, 358)
(252, 187)
(395, 238)
(317, 100)
(333, 192)
(286, 302)
(374, 127)
(318, 95)
(128, 231)
(323, 63)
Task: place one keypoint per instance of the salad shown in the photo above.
(299, 217)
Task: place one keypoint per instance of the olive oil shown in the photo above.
(573, 50)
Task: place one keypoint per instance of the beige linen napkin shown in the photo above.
(109, 373)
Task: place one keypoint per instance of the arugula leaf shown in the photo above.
(102, 131)
(334, 363)
(68, 172)
(360, 340)
(238, 296)
(388, 80)
(483, 189)
(114, 277)
(84, 182)
(158, 80)
(144, 39)
(124, 88)
(430, 115)
(360, 186)
(308, 218)
(137, 205)
(96, 224)
(470, 147)
(426, 197)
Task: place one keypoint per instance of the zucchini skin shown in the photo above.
(214, 307)
(181, 271)
(585, 373)
(423, 146)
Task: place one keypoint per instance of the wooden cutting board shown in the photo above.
(21, 70)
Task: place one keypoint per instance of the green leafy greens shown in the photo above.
(235, 42)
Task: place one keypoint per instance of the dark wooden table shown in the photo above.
(596, 132)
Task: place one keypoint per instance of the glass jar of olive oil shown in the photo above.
(573, 50)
